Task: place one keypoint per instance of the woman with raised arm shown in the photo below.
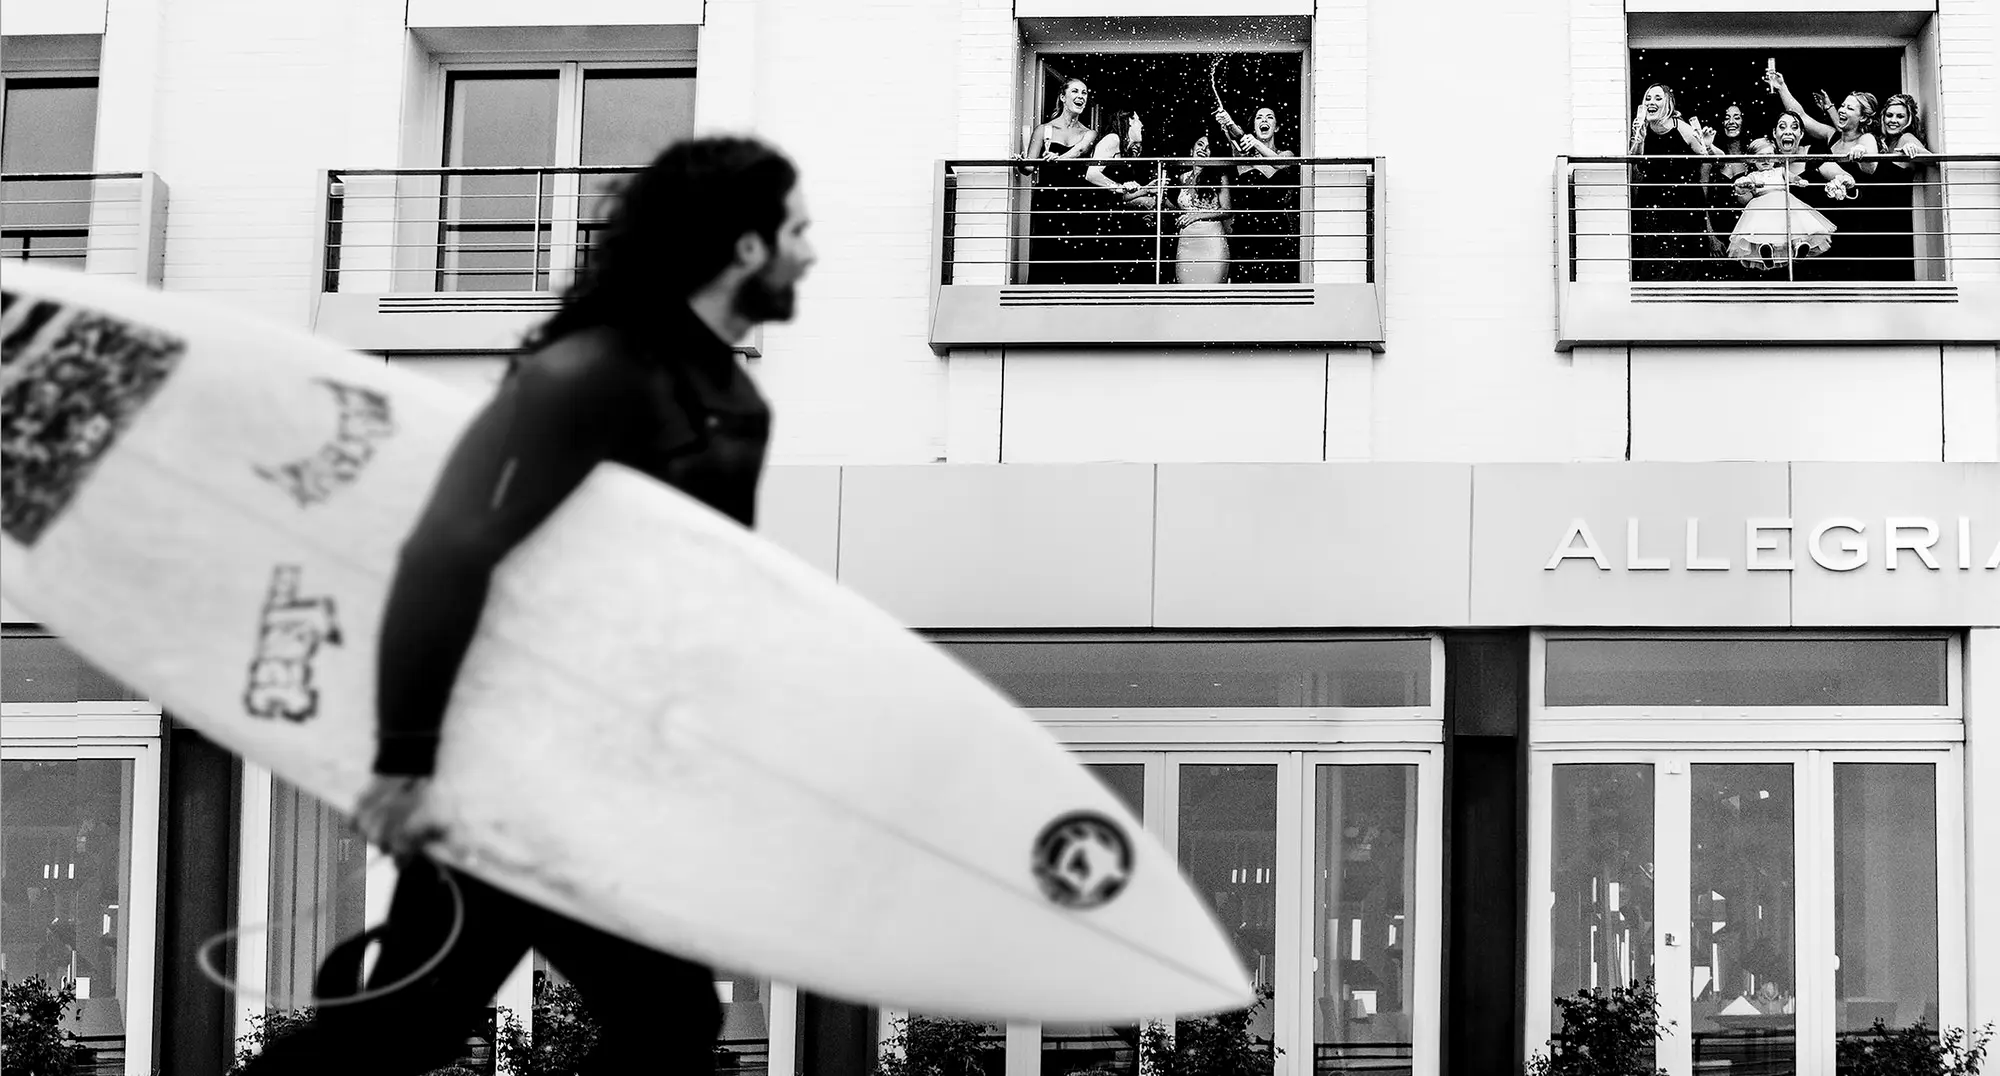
(1667, 211)
(1848, 136)
(1201, 254)
(1125, 242)
(1267, 201)
(1777, 229)
(1054, 163)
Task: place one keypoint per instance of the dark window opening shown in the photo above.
(1080, 232)
(1701, 219)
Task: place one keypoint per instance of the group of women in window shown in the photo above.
(1842, 212)
(1103, 213)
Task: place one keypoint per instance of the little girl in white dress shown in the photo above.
(1776, 226)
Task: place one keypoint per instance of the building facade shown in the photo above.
(1484, 604)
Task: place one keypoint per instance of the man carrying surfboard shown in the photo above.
(635, 367)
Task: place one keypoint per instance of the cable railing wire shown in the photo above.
(1932, 216)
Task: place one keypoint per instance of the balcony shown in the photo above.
(1914, 260)
(100, 222)
(455, 259)
(1025, 256)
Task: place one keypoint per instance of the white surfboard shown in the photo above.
(666, 726)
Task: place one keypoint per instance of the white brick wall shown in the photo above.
(1468, 107)
(851, 90)
(252, 101)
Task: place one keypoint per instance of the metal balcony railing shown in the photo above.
(1295, 221)
(1656, 219)
(463, 229)
(99, 222)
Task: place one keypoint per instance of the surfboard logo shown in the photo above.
(74, 382)
(288, 636)
(1082, 860)
(365, 421)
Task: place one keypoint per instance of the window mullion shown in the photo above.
(563, 208)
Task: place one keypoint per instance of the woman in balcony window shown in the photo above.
(1891, 195)
(1849, 136)
(1267, 202)
(1125, 242)
(1717, 185)
(1059, 215)
(1666, 196)
(1777, 228)
(1201, 254)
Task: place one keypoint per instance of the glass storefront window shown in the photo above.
(1748, 671)
(1100, 1049)
(1744, 918)
(1885, 894)
(1229, 849)
(1232, 673)
(1601, 874)
(67, 891)
(319, 866)
(1364, 870)
(41, 668)
(745, 1037)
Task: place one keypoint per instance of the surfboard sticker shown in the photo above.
(365, 419)
(91, 376)
(289, 634)
(1082, 860)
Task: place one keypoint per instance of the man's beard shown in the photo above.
(758, 300)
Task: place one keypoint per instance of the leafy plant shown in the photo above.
(269, 1027)
(936, 1046)
(1916, 1050)
(1218, 1045)
(1604, 1034)
(563, 1036)
(33, 1041)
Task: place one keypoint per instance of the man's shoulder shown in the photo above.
(594, 361)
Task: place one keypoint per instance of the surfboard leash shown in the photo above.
(205, 955)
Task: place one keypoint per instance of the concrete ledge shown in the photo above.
(1297, 315)
(1620, 314)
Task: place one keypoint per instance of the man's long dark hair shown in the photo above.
(674, 227)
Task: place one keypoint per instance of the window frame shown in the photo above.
(1296, 740)
(74, 77)
(571, 75)
(117, 731)
(1811, 739)
(1035, 56)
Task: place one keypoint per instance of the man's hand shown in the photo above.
(394, 816)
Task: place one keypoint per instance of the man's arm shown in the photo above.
(531, 446)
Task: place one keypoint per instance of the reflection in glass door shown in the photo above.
(1885, 900)
(1744, 921)
(1601, 874)
(1365, 828)
(1228, 825)
(1100, 1049)
(78, 840)
(1798, 892)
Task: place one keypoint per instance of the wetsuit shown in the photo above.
(681, 410)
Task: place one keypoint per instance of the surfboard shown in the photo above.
(667, 726)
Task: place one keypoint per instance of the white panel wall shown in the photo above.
(55, 17)
(253, 99)
(1971, 404)
(852, 91)
(1775, 403)
(1222, 406)
(1468, 107)
(541, 13)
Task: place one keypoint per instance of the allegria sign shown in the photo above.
(1837, 544)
